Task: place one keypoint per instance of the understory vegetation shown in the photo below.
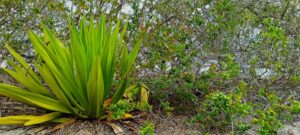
(231, 66)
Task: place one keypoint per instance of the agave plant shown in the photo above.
(80, 78)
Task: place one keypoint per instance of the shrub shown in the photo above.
(80, 76)
(268, 118)
(147, 129)
(136, 98)
(218, 110)
(119, 109)
(295, 107)
(267, 121)
(215, 110)
(167, 108)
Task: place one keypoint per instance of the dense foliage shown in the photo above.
(227, 54)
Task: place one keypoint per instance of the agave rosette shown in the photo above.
(75, 78)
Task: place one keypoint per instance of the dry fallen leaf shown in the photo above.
(117, 129)
(62, 125)
(107, 102)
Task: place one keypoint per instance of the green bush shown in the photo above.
(135, 98)
(167, 108)
(295, 107)
(119, 109)
(215, 110)
(218, 110)
(267, 122)
(147, 129)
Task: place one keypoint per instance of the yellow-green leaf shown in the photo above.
(43, 118)
(8, 120)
